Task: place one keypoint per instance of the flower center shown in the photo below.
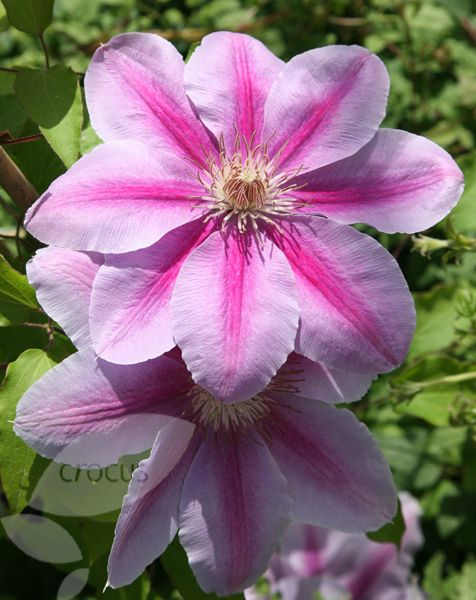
(247, 187)
(214, 415)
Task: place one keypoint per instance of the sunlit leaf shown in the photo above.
(52, 99)
(20, 467)
(17, 298)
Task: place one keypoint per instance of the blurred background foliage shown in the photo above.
(423, 414)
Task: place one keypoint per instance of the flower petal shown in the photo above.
(63, 280)
(356, 311)
(89, 410)
(233, 510)
(149, 517)
(235, 315)
(122, 196)
(397, 182)
(325, 105)
(130, 319)
(135, 90)
(228, 78)
(336, 474)
(315, 380)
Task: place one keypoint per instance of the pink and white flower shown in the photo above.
(209, 197)
(343, 566)
(228, 477)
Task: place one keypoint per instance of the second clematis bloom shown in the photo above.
(229, 477)
(221, 199)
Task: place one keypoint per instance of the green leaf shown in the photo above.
(15, 340)
(191, 50)
(3, 18)
(433, 578)
(436, 320)
(53, 101)
(7, 79)
(31, 16)
(391, 533)
(175, 563)
(89, 139)
(38, 163)
(17, 298)
(467, 581)
(464, 215)
(20, 467)
(433, 385)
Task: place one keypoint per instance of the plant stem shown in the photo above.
(15, 183)
(22, 140)
(45, 50)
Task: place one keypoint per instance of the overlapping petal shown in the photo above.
(91, 410)
(63, 280)
(150, 512)
(233, 101)
(235, 315)
(397, 182)
(122, 196)
(357, 313)
(143, 76)
(233, 510)
(325, 105)
(314, 380)
(336, 474)
(130, 320)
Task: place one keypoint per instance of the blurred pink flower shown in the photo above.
(209, 200)
(343, 566)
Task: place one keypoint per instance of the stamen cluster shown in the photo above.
(247, 187)
(217, 416)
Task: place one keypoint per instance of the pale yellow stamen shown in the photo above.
(247, 188)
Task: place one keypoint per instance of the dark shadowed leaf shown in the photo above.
(175, 562)
(32, 16)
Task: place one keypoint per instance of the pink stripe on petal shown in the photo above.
(122, 196)
(228, 79)
(356, 310)
(336, 474)
(100, 410)
(149, 517)
(233, 510)
(325, 105)
(63, 280)
(140, 75)
(130, 319)
(397, 182)
(235, 315)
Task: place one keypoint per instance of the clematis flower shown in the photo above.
(221, 200)
(229, 477)
(342, 566)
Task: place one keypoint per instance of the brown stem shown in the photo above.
(22, 140)
(8, 70)
(15, 183)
